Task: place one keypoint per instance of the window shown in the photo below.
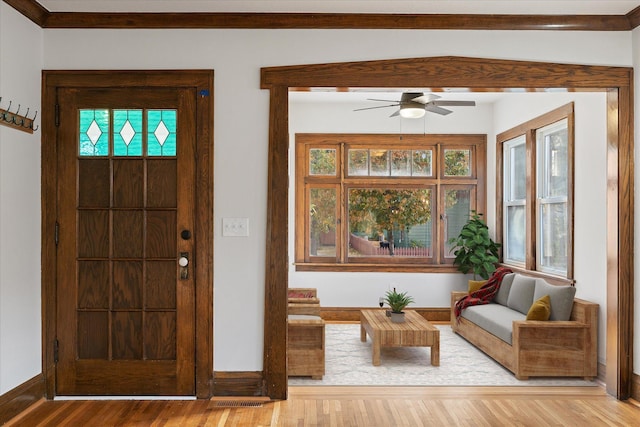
(537, 193)
(127, 132)
(380, 202)
(515, 200)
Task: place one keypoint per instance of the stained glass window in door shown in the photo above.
(94, 133)
(127, 132)
(161, 132)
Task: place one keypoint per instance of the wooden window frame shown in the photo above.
(438, 261)
(529, 130)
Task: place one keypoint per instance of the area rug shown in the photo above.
(348, 362)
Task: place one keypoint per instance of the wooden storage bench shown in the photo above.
(305, 346)
(303, 301)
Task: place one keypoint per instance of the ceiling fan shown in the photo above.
(413, 105)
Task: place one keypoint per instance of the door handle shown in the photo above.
(183, 262)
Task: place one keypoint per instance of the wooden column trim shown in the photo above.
(620, 218)
(276, 268)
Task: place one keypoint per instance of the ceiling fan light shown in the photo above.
(409, 112)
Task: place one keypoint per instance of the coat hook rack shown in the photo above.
(15, 120)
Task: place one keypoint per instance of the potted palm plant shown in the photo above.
(397, 301)
(474, 250)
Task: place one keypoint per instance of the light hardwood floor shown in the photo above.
(356, 406)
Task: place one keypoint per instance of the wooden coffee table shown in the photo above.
(415, 331)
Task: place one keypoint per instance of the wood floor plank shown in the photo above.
(356, 406)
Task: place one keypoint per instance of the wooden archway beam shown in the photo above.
(473, 74)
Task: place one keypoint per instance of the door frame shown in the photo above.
(474, 74)
(202, 82)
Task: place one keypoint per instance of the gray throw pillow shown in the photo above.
(521, 293)
(502, 295)
(561, 298)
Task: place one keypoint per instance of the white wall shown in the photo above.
(20, 312)
(241, 120)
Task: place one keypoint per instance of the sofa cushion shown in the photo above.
(561, 298)
(503, 292)
(540, 309)
(494, 318)
(521, 293)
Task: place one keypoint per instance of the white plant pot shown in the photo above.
(397, 317)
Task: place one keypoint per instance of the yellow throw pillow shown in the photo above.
(474, 285)
(541, 309)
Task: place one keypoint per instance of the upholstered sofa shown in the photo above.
(563, 346)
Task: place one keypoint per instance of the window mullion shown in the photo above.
(531, 205)
(342, 225)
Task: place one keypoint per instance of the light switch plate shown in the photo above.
(235, 227)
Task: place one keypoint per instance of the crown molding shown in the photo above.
(46, 19)
(338, 21)
(31, 9)
(634, 17)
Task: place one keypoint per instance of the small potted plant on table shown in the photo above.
(397, 301)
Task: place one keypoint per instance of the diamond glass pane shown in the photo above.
(127, 132)
(93, 133)
(161, 132)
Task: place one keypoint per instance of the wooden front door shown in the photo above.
(125, 250)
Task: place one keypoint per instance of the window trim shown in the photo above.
(438, 262)
(529, 129)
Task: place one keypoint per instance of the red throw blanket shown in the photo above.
(485, 294)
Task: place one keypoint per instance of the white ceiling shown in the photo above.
(522, 7)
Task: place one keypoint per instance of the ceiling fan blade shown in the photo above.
(382, 100)
(424, 99)
(453, 103)
(396, 114)
(438, 110)
(379, 106)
